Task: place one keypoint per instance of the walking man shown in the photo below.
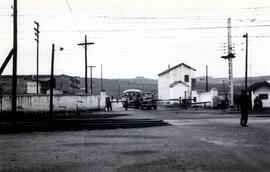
(244, 102)
(108, 104)
(126, 103)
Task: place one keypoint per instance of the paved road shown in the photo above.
(197, 140)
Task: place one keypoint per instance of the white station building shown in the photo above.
(176, 82)
(261, 89)
(179, 82)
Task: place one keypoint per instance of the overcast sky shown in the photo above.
(138, 37)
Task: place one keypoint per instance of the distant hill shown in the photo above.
(239, 83)
(115, 87)
(141, 80)
(238, 80)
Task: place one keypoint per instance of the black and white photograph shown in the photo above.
(134, 85)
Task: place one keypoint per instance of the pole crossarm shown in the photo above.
(88, 43)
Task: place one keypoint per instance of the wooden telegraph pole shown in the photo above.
(101, 78)
(37, 40)
(91, 78)
(14, 70)
(206, 79)
(85, 44)
(51, 83)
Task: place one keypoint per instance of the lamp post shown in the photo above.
(52, 80)
(246, 68)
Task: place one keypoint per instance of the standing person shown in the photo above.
(108, 103)
(244, 102)
(223, 105)
(126, 103)
(260, 104)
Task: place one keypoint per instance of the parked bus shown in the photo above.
(137, 99)
(132, 96)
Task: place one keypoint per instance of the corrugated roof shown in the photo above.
(181, 64)
(258, 85)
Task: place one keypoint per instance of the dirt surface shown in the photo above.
(197, 140)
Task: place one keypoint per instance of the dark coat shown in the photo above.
(244, 102)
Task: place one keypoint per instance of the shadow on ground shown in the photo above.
(71, 122)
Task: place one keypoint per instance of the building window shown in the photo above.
(193, 84)
(263, 96)
(186, 78)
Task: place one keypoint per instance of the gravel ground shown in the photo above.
(210, 141)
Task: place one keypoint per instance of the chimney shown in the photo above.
(169, 66)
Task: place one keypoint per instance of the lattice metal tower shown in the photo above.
(230, 56)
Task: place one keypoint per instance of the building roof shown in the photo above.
(179, 82)
(132, 90)
(181, 64)
(258, 85)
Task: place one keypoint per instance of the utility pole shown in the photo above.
(230, 56)
(85, 44)
(223, 83)
(14, 70)
(51, 84)
(250, 72)
(52, 81)
(91, 78)
(119, 91)
(246, 66)
(37, 40)
(206, 79)
(101, 81)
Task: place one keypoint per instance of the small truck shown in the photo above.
(147, 100)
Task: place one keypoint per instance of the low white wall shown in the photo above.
(210, 96)
(38, 103)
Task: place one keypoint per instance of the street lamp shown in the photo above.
(51, 80)
(246, 36)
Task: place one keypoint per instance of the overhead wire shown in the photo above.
(154, 29)
(162, 29)
(73, 18)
